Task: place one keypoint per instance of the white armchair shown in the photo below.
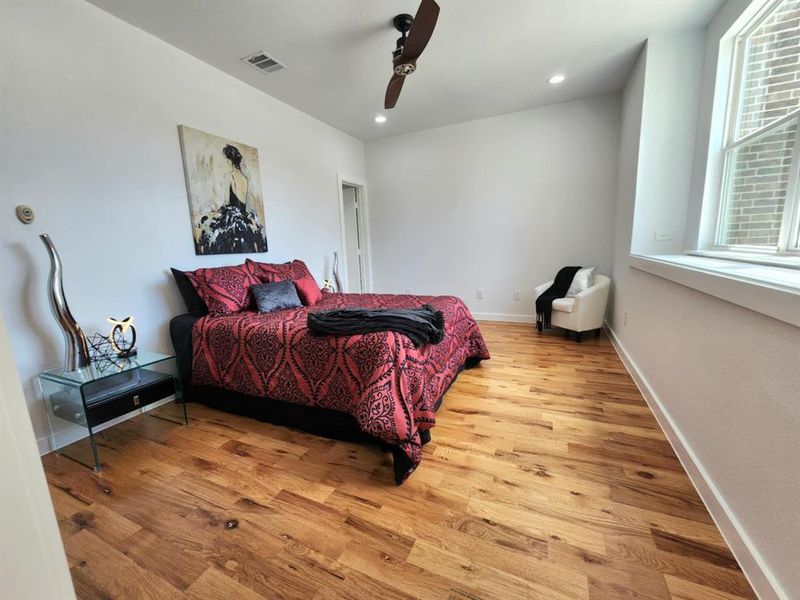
(584, 312)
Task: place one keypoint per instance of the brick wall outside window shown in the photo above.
(771, 86)
(758, 189)
(759, 170)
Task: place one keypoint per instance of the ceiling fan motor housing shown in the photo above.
(405, 68)
(403, 24)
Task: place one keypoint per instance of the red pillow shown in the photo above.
(301, 270)
(308, 290)
(225, 290)
(271, 272)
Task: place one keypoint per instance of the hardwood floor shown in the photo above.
(547, 477)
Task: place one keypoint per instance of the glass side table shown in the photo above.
(101, 392)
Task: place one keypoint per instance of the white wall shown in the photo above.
(673, 75)
(497, 204)
(89, 123)
(727, 378)
(630, 134)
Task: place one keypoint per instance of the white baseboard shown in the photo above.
(752, 563)
(504, 317)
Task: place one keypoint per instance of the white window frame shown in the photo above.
(789, 240)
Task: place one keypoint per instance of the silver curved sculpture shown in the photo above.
(77, 354)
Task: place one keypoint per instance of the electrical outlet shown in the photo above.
(625, 318)
(479, 294)
(516, 295)
(663, 236)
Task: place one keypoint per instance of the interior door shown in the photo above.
(352, 236)
(359, 234)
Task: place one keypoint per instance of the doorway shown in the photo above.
(355, 263)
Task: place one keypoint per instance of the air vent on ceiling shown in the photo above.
(264, 62)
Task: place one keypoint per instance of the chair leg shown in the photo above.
(597, 333)
(538, 325)
(578, 336)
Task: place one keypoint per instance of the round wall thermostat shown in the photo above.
(25, 214)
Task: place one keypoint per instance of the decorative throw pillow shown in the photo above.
(300, 270)
(194, 303)
(308, 290)
(270, 297)
(223, 289)
(583, 280)
(271, 272)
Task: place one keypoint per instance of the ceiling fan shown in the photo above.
(415, 33)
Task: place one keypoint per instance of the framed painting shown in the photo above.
(226, 204)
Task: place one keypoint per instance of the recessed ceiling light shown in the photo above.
(380, 119)
(557, 78)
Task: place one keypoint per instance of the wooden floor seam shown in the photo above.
(547, 478)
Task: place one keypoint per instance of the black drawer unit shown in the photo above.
(116, 398)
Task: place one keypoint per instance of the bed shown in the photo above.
(374, 386)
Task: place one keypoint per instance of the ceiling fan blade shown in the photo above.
(393, 91)
(421, 29)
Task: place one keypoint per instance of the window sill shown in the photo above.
(770, 290)
(771, 260)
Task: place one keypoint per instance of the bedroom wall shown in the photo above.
(489, 204)
(666, 153)
(726, 378)
(90, 112)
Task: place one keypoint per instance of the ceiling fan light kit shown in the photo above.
(415, 33)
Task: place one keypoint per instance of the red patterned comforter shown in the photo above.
(389, 386)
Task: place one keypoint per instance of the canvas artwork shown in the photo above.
(225, 200)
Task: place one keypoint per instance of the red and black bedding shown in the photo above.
(390, 388)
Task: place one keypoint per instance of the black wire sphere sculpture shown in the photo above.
(116, 347)
(103, 353)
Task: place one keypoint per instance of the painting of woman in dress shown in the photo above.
(224, 186)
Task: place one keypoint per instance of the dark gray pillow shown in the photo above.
(275, 296)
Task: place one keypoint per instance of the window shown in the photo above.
(760, 202)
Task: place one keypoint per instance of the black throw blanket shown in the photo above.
(422, 325)
(559, 289)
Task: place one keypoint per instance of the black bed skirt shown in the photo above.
(312, 419)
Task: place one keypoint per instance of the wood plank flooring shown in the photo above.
(547, 477)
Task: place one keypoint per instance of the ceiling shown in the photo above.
(485, 58)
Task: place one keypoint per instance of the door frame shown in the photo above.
(363, 224)
(28, 524)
